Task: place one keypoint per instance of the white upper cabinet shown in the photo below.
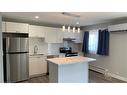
(3, 26)
(53, 35)
(78, 37)
(68, 34)
(17, 27)
(37, 31)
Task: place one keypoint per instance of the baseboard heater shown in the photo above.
(106, 74)
(97, 69)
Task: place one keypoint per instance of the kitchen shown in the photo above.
(106, 74)
(45, 41)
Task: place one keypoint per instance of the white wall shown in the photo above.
(1, 58)
(116, 62)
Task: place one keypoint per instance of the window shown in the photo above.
(93, 41)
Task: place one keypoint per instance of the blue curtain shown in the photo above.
(103, 42)
(85, 47)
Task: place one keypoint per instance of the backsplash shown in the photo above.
(53, 48)
(39, 42)
(50, 48)
(76, 47)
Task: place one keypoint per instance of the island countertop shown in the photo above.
(70, 60)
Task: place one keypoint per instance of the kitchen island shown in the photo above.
(69, 69)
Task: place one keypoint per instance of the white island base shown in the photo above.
(69, 70)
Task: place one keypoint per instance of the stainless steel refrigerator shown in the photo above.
(15, 57)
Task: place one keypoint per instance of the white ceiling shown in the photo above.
(86, 18)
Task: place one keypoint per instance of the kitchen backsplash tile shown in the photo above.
(50, 48)
(42, 46)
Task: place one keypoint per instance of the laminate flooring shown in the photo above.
(94, 77)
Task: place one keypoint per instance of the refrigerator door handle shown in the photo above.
(7, 44)
(8, 68)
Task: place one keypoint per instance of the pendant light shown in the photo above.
(63, 28)
(73, 29)
(69, 28)
(78, 30)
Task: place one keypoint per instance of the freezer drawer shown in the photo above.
(17, 67)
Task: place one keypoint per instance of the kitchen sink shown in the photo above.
(36, 54)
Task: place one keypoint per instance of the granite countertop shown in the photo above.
(70, 60)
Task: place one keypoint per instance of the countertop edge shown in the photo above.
(86, 61)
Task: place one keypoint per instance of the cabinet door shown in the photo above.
(59, 36)
(78, 37)
(53, 35)
(17, 27)
(37, 65)
(36, 31)
(68, 34)
(44, 65)
(32, 66)
(3, 26)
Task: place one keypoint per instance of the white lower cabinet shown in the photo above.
(37, 65)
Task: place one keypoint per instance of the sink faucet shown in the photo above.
(35, 49)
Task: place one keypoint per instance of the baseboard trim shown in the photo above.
(36, 75)
(97, 69)
(118, 77)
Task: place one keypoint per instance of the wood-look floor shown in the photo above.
(94, 77)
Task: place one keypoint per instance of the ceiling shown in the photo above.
(86, 18)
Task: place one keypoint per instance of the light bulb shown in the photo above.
(69, 28)
(63, 28)
(73, 29)
(78, 30)
(36, 17)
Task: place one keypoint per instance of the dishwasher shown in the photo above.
(49, 57)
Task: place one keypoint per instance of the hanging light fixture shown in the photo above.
(69, 28)
(63, 28)
(78, 30)
(76, 18)
(73, 29)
